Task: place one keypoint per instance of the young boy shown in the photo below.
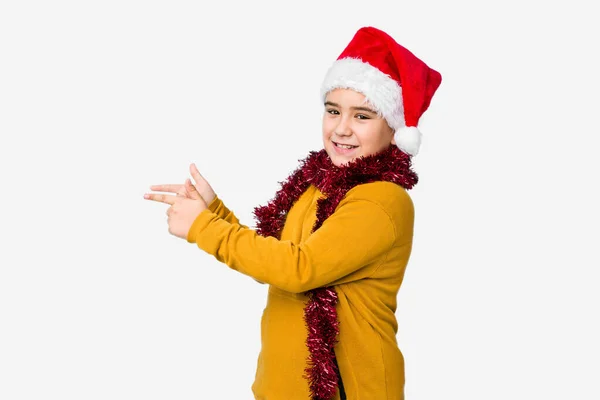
(334, 242)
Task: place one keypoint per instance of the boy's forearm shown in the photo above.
(218, 207)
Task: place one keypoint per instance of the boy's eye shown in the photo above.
(362, 116)
(332, 111)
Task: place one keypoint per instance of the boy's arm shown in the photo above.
(356, 234)
(218, 207)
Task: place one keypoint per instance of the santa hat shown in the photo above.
(394, 81)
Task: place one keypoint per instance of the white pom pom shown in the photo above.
(408, 139)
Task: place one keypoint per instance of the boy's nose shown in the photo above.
(343, 129)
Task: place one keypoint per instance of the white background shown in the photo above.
(100, 99)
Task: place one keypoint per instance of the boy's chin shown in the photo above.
(340, 161)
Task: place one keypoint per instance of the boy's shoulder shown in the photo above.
(390, 196)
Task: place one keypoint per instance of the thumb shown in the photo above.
(198, 178)
(191, 190)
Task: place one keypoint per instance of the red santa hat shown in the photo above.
(393, 80)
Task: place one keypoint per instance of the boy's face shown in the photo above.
(348, 120)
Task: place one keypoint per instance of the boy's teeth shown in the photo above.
(344, 146)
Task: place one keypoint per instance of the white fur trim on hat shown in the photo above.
(408, 139)
(380, 90)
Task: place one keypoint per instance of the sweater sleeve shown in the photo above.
(218, 207)
(357, 233)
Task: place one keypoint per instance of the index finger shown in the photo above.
(170, 188)
(163, 198)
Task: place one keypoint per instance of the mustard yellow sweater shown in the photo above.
(362, 249)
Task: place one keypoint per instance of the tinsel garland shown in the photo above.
(334, 182)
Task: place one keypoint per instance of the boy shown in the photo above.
(334, 242)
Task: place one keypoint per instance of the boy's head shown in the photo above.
(374, 95)
(352, 128)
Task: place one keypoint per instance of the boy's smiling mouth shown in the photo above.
(344, 146)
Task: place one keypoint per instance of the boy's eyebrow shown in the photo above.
(367, 109)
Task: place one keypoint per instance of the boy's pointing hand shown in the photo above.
(202, 188)
(184, 207)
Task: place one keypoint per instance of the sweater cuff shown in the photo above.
(200, 223)
(215, 204)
